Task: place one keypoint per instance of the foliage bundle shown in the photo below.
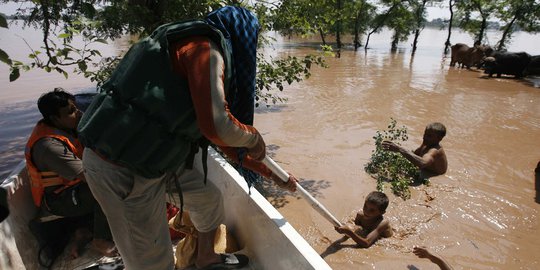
(389, 167)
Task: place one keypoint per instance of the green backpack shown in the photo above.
(143, 118)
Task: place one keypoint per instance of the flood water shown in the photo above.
(480, 215)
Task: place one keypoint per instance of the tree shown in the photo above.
(380, 20)
(420, 18)
(304, 17)
(476, 25)
(360, 15)
(451, 4)
(524, 14)
(99, 21)
(402, 22)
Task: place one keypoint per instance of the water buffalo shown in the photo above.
(466, 56)
(511, 63)
(533, 68)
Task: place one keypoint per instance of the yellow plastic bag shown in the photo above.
(186, 249)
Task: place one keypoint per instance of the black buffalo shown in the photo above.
(533, 68)
(510, 63)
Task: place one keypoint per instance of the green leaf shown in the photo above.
(3, 21)
(64, 35)
(101, 40)
(4, 57)
(82, 66)
(14, 75)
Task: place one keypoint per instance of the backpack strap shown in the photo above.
(202, 143)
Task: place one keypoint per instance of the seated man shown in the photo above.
(429, 156)
(53, 158)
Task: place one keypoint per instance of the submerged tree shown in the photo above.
(380, 20)
(362, 14)
(451, 4)
(402, 22)
(304, 17)
(419, 8)
(476, 24)
(524, 14)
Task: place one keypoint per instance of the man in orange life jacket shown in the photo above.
(53, 157)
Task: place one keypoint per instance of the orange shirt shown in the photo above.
(200, 61)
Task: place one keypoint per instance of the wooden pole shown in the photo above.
(283, 175)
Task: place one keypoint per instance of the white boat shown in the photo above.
(265, 235)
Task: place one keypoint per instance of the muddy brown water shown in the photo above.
(480, 215)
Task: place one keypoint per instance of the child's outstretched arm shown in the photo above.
(371, 237)
(349, 231)
(422, 252)
(421, 161)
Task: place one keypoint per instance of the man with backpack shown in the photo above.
(186, 84)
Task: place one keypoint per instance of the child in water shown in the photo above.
(369, 224)
(429, 156)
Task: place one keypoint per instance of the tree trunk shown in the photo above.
(450, 22)
(367, 41)
(395, 42)
(415, 41)
(380, 24)
(507, 30)
(483, 27)
(419, 26)
(338, 28)
(356, 30)
(322, 36)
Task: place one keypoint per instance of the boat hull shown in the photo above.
(262, 233)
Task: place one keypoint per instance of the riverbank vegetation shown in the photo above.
(101, 21)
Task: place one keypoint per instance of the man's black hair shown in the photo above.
(437, 127)
(49, 104)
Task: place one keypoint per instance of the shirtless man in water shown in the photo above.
(429, 156)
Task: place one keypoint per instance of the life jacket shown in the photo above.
(143, 118)
(39, 180)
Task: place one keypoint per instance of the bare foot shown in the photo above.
(82, 237)
(105, 247)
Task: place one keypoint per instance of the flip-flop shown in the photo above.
(228, 261)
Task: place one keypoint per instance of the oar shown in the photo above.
(284, 176)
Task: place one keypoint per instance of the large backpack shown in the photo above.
(234, 29)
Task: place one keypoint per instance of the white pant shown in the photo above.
(136, 212)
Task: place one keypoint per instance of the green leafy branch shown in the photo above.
(389, 167)
(58, 53)
(275, 73)
(4, 57)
